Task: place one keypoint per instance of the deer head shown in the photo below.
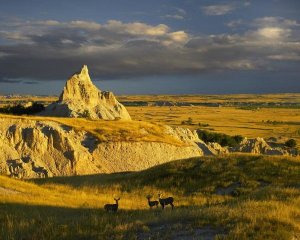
(149, 197)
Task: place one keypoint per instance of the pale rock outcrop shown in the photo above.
(44, 148)
(81, 98)
(192, 138)
(258, 146)
(217, 149)
(183, 134)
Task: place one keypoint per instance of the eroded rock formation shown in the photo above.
(43, 148)
(81, 98)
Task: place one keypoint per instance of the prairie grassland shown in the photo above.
(112, 131)
(263, 204)
(265, 122)
(278, 98)
(280, 122)
(260, 98)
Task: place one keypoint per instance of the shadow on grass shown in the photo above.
(21, 221)
(184, 175)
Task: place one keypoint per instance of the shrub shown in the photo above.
(203, 124)
(20, 109)
(291, 143)
(188, 122)
(222, 139)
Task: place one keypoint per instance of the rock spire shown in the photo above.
(81, 98)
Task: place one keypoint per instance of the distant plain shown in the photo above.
(249, 115)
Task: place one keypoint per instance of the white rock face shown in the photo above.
(217, 149)
(44, 148)
(81, 98)
(259, 146)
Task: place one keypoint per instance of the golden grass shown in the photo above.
(260, 98)
(228, 120)
(112, 131)
(72, 207)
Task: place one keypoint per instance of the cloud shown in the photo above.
(136, 28)
(275, 22)
(179, 36)
(17, 80)
(174, 16)
(50, 50)
(217, 10)
(235, 23)
(272, 28)
(178, 14)
(273, 33)
(223, 9)
(286, 57)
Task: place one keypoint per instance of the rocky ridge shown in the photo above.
(81, 98)
(44, 148)
(261, 146)
(34, 148)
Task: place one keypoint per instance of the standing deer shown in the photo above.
(151, 203)
(40, 171)
(112, 207)
(166, 201)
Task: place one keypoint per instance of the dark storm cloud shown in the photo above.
(49, 50)
(5, 80)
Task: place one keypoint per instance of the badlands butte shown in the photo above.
(87, 131)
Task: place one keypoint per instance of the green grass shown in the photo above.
(265, 204)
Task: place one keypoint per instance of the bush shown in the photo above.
(188, 122)
(222, 139)
(291, 143)
(20, 109)
(203, 124)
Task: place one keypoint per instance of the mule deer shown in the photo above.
(166, 201)
(15, 168)
(40, 171)
(151, 203)
(112, 207)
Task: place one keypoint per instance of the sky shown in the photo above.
(151, 47)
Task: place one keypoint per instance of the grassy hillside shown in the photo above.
(234, 197)
(111, 131)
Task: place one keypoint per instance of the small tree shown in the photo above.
(189, 121)
(291, 143)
